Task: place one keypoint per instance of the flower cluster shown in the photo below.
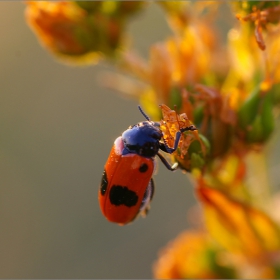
(83, 31)
(228, 90)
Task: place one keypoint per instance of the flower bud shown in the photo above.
(192, 153)
(255, 117)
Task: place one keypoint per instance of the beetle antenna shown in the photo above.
(143, 113)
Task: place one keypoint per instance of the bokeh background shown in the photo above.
(57, 126)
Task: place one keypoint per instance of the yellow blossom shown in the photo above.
(192, 255)
(61, 27)
(82, 31)
(237, 226)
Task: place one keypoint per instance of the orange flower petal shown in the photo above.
(192, 255)
(238, 227)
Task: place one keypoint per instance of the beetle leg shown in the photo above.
(191, 127)
(165, 162)
(168, 149)
(164, 147)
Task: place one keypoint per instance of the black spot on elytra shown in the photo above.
(104, 183)
(122, 196)
(143, 168)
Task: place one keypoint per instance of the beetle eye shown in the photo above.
(157, 136)
(149, 149)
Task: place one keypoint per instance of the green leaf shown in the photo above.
(249, 109)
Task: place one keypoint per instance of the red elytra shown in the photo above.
(125, 181)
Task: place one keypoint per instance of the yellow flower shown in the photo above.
(243, 230)
(61, 27)
(192, 255)
(180, 61)
(263, 13)
(79, 32)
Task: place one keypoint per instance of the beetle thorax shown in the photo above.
(142, 139)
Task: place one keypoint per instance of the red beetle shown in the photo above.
(127, 186)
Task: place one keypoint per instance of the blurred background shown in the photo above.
(58, 125)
